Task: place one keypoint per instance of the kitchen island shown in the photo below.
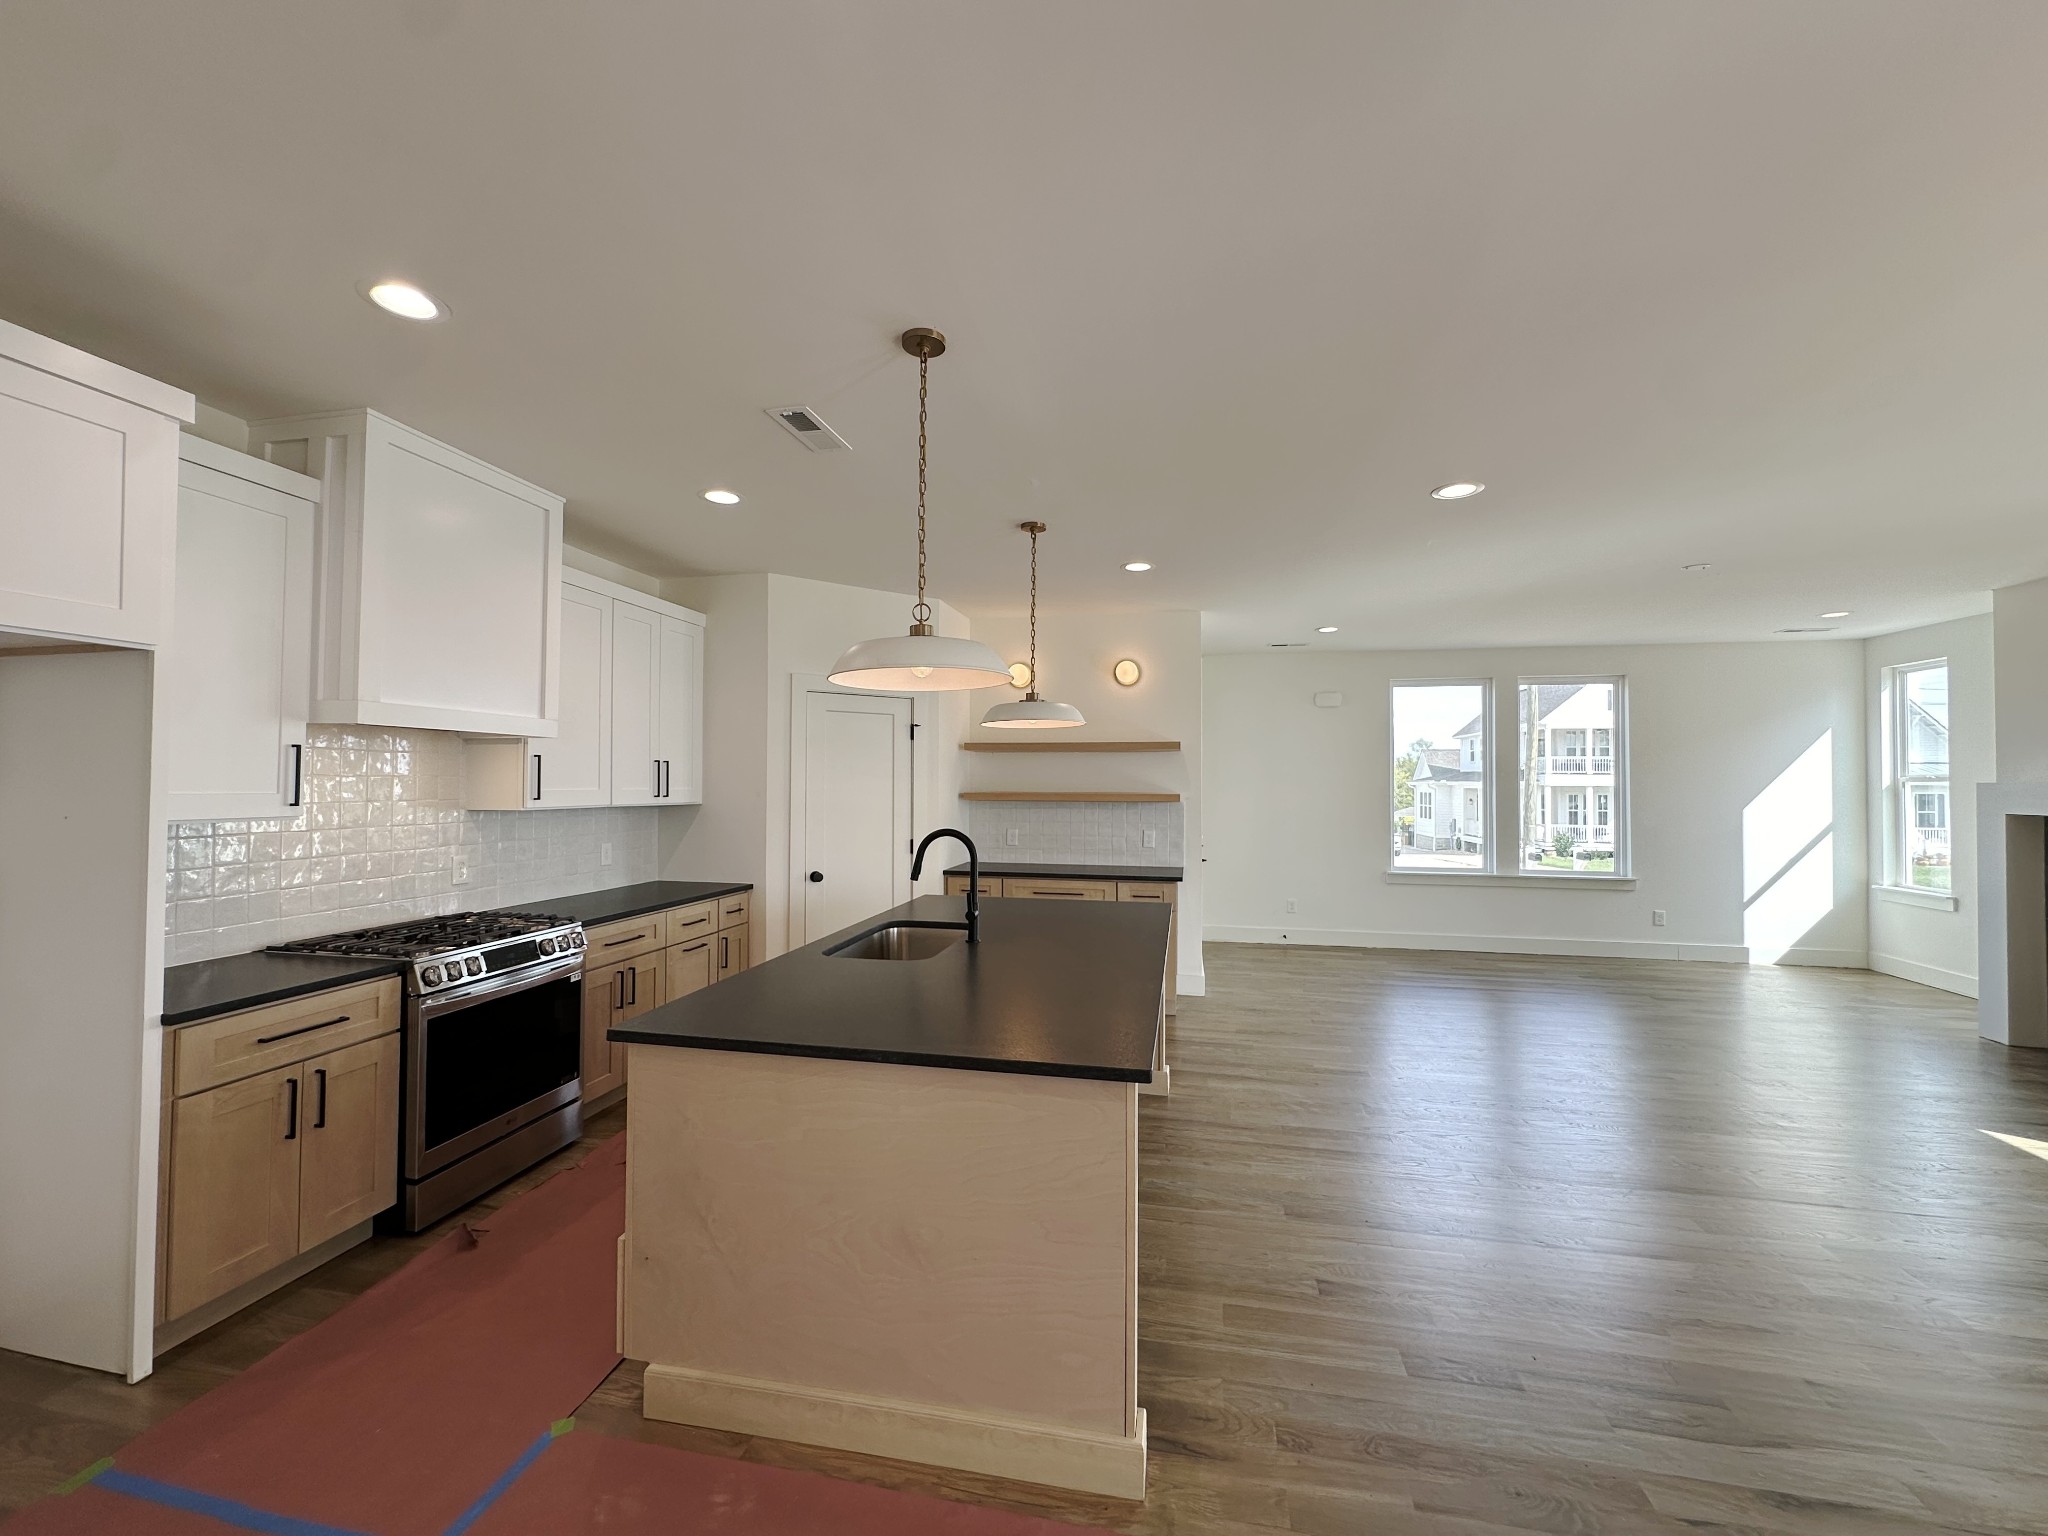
(889, 1205)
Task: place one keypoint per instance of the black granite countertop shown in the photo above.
(1052, 990)
(594, 907)
(206, 989)
(1075, 871)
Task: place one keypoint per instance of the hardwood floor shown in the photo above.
(1472, 1244)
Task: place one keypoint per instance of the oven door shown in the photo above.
(482, 1062)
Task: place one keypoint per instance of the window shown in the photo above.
(1573, 776)
(1440, 764)
(1916, 709)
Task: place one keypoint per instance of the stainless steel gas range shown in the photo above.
(493, 1048)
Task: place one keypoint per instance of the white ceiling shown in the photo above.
(1229, 286)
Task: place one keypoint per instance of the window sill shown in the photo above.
(1914, 896)
(1526, 882)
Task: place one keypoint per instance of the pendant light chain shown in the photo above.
(922, 613)
(1034, 616)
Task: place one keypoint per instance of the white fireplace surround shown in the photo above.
(2012, 913)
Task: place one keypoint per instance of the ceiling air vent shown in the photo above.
(808, 428)
(1811, 629)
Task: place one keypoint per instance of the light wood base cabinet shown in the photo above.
(265, 1168)
(1051, 889)
(612, 994)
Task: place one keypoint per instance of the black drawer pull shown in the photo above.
(693, 922)
(631, 938)
(693, 948)
(303, 1030)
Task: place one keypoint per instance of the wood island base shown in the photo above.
(923, 1263)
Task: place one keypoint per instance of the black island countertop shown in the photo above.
(205, 989)
(1052, 990)
(1026, 871)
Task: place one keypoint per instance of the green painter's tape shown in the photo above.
(560, 1428)
(78, 1480)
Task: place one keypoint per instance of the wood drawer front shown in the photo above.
(688, 967)
(688, 924)
(241, 1045)
(956, 885)
(735, 910)
(1145, 890)
(1066, 890)
(622, 941)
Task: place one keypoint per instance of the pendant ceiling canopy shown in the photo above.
(1031, 713)
(920, 660)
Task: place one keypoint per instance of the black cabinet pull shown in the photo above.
(657, 780)
(631, 938)
(291, 1128)
(724, 952)
(633, 994)
(536, 776)
(691, 949)
(303, 1030)
(320, 1103)
(298, 774)
(618, 989)
(694, 922)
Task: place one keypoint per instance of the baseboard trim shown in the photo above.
(173, 1331)
(1827, 959)
(1161, 1085)
(1029, 1453)
(1926, 975)
(1605, 949)
(1192, 983)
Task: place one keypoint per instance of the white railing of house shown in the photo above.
(1576, 765)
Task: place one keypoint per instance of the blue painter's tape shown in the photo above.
(229, 1512)
(496, 1491)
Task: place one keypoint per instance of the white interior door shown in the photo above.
(856, 809)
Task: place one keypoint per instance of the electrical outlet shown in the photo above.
(1290, 903)
(1657, 917)
(1150, 838)
(459, 874)
(1010, 837)
(604, 853)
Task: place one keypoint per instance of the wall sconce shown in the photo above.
(1127, 672)
(1020, 674)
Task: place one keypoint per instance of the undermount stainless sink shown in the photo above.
(899, 941)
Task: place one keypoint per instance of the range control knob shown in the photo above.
(475, 964)
(547, 946)
(431, 976)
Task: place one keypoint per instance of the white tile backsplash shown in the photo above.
(380, 838)
(1078, 831)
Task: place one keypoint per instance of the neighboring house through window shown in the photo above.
(1439, 776)
(1573, 776)
(1917, 851)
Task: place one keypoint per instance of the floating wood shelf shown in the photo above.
(1069, 746)
(1108, 795)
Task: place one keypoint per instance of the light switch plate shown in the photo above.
(1011, 837)
(604, 853)
(1151, 837)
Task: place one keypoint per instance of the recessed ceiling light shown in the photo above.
(1457, 490)
(1839, 614)
(723, 498)
(405, 300)
(1326, 629)
(1137, 565)
(1701, 567)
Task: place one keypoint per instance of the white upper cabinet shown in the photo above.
(438, 596)
(657, 703)
(235, 669)
(574, 767)
(88, 493)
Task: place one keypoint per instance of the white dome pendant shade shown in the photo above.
(920, 660)
(1031, 713)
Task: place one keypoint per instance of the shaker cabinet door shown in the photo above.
(575, 766)
(681, 712)
(636, 674)
(236, 664)
(350, 1159)
(234, 1183)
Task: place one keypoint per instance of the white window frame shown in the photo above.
(1624, 867)
(1489, 842)
(1900, 788)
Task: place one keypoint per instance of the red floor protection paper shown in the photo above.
(592, 1483)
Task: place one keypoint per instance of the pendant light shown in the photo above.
(1031, 713)
(920, 660)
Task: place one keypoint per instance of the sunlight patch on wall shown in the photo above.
(1788, 854)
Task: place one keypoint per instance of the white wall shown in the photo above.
(1931, 944)
(2019, 625)
(1741, 756)
(1075, 654)
(762, 631)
